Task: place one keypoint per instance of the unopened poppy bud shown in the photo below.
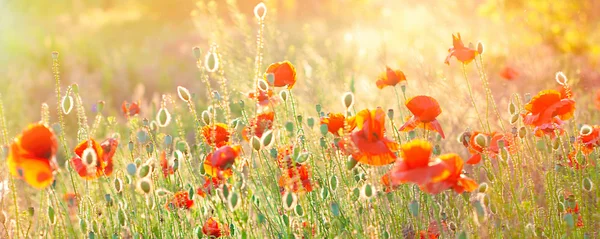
(51, 215)
(144, 171)
(302, 158)
(163, 118)
(145, 185)
(480, 48)
(318, 108)
(267, 139)
(283, 95)
(118, 185)
(67, 104)
(483, 187)
(211, 62)
(588, 185)
(514, 118)
(437, 149)
(501, 144)
(289, 126)
(522, 132)
(324, 129)
(348, 100)
(481, 140)
(390, 114)
(256, 144)
(556, 144)
(368, 191)
(55, 55)
(569, 220)
(512, 108)
(183, 93)
(233, 201)
(413, 207)
(206, 117)
(289, 200)
(260, 11)
(351, 163)
(561, 78)
(100, 105)
(585, 130)
(262, 85)
(75, 88)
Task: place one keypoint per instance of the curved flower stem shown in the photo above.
(472, 98)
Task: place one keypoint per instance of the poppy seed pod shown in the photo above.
(390, 114)
(197, 52)
(260, 11)
(481, 140)
(55, 55)
(270, 79)
(561, 78)
(90, 158)
(585, 130)
(348, 100)
(183, 93)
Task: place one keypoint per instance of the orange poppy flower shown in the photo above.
(101, 164)
(454, 180)
(597, 99)
(508, 73)
(262, 123)
(416, 166)
(216, 134)
(219, 162)
(212, 228)
(130, 109)
(425, 109)
(588, 142)
(390, 78)
(180, 200)
(264, 98)
(165, 165)
(433, 231)
(335, 122)
(492, 149)
(547, 111)
(386, 181)
(462, 53)
(210, 184)
(370, 146)
(284, 156)
(284, 72)
(296, 179)
(32, 156)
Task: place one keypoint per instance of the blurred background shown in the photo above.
(120, 50)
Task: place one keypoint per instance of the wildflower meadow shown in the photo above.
(300, 119)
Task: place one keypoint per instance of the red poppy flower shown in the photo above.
(296, 179)
(425, 109)
(335, 122)
(284, 156)
(369, 144)
(386, 181)
(212, 228)
(180, 200)
(416, 166)
(433, 231)
(32, 156)
(572, 207)
(508, 73)
(492, 149)
(547, 111)
(219, 162)
(597, 99)
(71, 199)
(166, 165)
(101, 155)
(264, 98)
(390, 78)
(130, 109)
(210, 184)
(462, 53)
(216, 134)
(454, 180)
(589, 141)
(262, 123)
(284, 72)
